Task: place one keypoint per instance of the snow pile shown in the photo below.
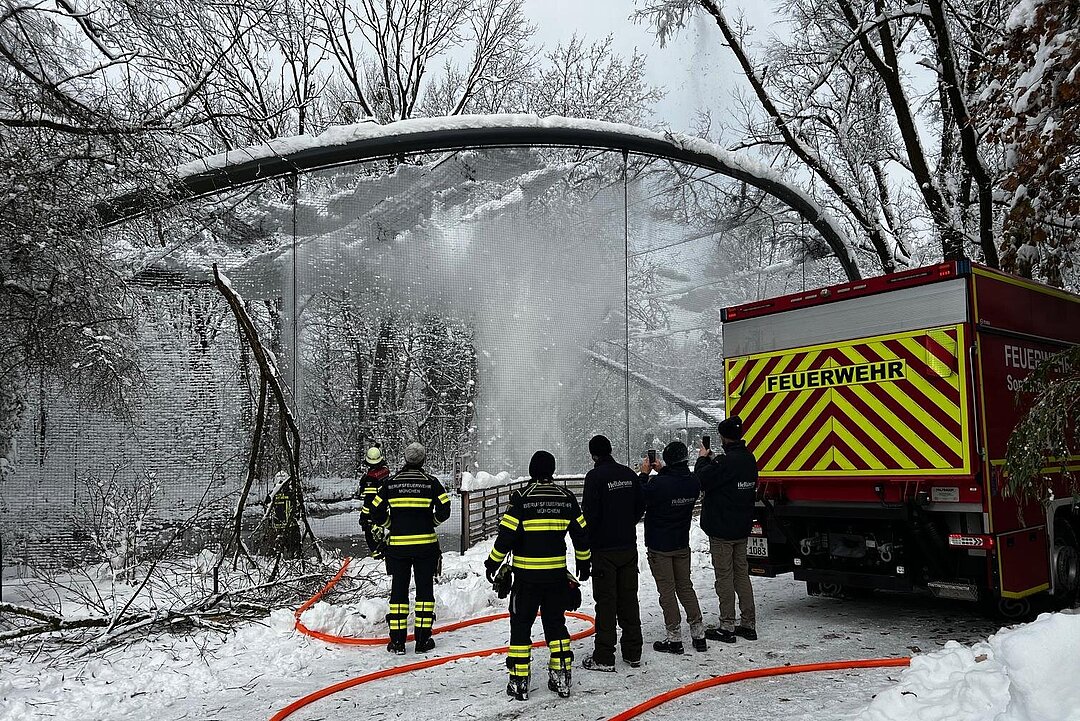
(1026, 673)
(483, 479)
(460, 592)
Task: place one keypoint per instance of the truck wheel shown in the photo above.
(1065, 563)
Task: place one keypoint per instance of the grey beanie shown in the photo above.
(415, 454)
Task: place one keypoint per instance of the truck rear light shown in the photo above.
(962, 540)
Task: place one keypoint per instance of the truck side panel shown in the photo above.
(1018, 323)
(891, 407)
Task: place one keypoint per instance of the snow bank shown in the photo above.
(1026, 673)
(460, 592)
(483, 479)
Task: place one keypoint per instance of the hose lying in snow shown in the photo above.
(438, 661)
(407, 668)
(753, 673)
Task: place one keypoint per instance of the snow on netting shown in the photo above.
(474, 300)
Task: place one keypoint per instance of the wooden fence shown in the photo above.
(482, 509)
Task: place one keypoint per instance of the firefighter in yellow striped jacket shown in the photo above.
(533, 532)
(410, 505)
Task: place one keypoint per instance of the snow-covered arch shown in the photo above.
(343, 145)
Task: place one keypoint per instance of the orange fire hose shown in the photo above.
(407, 668)
(438, 661)
(753, 673)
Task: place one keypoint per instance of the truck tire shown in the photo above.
(1065, 562)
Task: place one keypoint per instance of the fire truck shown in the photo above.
(879, 411)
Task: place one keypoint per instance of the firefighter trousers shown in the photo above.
(550, 600)
(401, 569)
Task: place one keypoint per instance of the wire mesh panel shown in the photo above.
(486, 303)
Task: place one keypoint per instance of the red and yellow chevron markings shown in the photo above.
(894, 403)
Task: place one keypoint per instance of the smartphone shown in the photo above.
(705, 441)
(652, 456)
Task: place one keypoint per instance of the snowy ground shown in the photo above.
(253, 672)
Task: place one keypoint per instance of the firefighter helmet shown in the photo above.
(374, 456)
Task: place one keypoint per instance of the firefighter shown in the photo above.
(411, 504)
(728, 487)
(670, 496)
(613, 504)
(370, 485)
(533, 531)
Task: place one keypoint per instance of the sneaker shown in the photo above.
(700, 644)
(632, 662)
(674, 647)
(396, 647)
(593, 665)
(425, 645)
(518, 688)
(748, 633)
(559, 682)
(719, 634)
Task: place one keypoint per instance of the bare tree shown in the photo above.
(842, 100)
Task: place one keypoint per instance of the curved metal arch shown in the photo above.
(369, 141)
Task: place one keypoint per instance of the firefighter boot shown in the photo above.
(518, 688)
(424, 641)
(397, 637)
(559, 681)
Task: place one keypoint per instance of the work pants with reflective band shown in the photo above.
(733, 577)
(671, 571)
(615, 591)
(401, 571)
(550, 600)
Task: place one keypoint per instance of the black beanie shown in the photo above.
(542, 465)
(599, 446)
(675, 452)
(731, 428)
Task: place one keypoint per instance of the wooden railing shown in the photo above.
(482, 509)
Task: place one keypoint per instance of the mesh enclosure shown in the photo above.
(487, 303)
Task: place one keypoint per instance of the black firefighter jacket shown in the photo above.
(370, 485)
(410, 504)
(613, 504)
(534, 530)
(728, 489)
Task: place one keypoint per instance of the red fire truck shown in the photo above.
(879, 411)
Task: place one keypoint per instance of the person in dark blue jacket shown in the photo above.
(728, 490)
(670, 496)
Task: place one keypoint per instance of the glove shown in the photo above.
(584, 570)
(491, 567)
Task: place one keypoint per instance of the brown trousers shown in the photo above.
(732, 577)
(671, 571)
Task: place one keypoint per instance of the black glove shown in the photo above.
(491, 567)
(584, 570)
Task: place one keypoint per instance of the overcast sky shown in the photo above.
(694, 69)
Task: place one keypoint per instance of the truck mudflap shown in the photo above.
(768, 552)
(1023, 562)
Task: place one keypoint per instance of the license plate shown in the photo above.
(757, 546)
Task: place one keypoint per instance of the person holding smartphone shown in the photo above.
(728, 487)
(670, 496)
